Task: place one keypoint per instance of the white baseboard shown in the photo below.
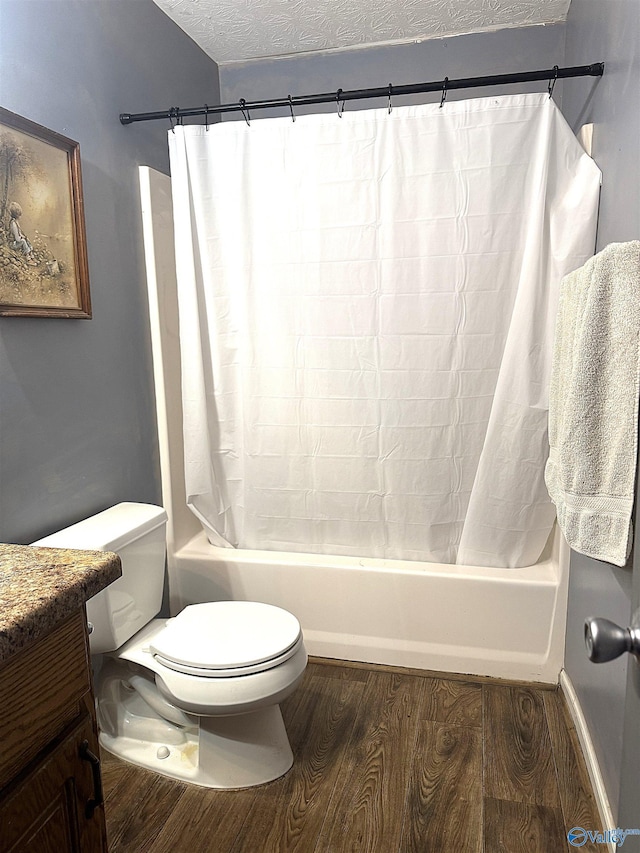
(588, 750)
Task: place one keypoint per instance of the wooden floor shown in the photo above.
(385, 760)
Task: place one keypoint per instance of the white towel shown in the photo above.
(593, 403)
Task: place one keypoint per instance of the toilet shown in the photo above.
(194, 697)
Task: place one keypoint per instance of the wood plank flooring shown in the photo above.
(386, 761)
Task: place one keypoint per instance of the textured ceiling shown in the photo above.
(237, 30)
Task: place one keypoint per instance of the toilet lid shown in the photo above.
(225, 636)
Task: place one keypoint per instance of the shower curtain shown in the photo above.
(367, 305)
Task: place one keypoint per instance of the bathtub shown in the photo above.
(505, 623)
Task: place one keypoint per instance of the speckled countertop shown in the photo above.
(39, 587)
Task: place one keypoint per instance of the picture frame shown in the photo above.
(44, 271)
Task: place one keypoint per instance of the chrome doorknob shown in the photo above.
(605, 640)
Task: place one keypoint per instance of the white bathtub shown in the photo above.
(506, 623)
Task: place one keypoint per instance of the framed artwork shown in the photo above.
(43, 252)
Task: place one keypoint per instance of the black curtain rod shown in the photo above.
(177, 114)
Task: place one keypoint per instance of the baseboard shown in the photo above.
(589, 753)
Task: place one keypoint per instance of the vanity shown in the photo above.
(50, 785)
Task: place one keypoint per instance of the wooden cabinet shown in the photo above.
(51, 796)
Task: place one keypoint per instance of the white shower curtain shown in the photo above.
(367, 306)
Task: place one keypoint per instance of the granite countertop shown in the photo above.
(40, 587)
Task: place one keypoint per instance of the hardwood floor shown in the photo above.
(386, 761)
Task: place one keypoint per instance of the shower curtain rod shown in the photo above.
(177, 114)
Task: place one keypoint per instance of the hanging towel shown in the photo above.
(593, 403)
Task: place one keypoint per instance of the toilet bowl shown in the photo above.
(228, 731)
(194, 697)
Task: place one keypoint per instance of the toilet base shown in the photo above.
(223, 752)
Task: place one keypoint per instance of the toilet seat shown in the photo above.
(224, 639)
(213, 694)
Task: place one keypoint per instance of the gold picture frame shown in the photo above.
(44, 270)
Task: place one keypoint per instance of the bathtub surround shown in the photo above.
(593, 403)
(366, 318)
(507, 623)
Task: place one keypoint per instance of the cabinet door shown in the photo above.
(51, 809)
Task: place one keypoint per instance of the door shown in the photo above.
(629, 815)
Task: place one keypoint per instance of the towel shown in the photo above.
(593, 403)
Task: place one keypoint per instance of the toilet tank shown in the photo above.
(136, 532)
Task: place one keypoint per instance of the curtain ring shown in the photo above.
(245, 112)
(340, 108)
(293, 115)
(390, 108)
(174, 112)
(444, 92)
(206, 116)
(552, 81)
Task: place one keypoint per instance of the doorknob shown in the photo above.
(605, 640)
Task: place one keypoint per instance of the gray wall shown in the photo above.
(474, 55)
(609, 32)
(77, 421)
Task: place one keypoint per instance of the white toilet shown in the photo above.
(195, 697)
